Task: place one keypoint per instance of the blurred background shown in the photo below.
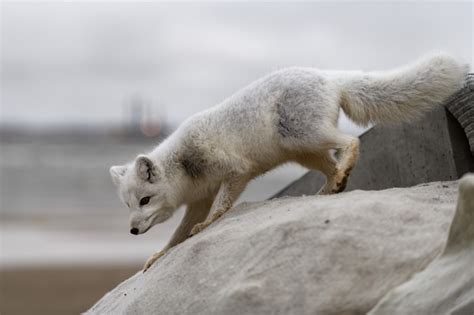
(86, 85)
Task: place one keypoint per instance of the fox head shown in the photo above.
(144, 189)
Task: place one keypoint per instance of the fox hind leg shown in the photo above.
(321, 161)
(347, 153)
(338, 169)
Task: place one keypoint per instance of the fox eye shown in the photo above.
(144, 201)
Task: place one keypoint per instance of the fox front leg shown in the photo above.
(150, 261)
(195, 213)
(228, 193)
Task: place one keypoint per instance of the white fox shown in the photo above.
(287, 116)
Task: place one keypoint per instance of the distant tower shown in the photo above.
(141, 120)
(136, 113)
(150, 126)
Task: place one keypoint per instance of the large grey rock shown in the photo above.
(446, 286)
(337, 254)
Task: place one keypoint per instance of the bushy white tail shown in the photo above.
(404, 94)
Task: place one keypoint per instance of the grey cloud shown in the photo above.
(80, 61)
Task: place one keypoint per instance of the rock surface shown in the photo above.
(336, 254)
(446, 286)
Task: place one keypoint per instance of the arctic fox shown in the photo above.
(287, 116)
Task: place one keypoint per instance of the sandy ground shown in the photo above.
(57, 290)
(59, 267)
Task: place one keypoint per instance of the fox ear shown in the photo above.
(146, 170)
(117, 172)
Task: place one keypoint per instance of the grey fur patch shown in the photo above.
(193, 162)
(300, 107)
(287, 124)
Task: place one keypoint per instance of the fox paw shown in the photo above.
(198, 228)
(152, 260)
(341, 183)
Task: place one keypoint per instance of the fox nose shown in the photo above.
(134, 231)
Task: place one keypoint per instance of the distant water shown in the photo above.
(44, 178)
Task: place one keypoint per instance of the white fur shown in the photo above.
(403, 94)
(288, 116)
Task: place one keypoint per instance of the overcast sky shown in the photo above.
(81, 62)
